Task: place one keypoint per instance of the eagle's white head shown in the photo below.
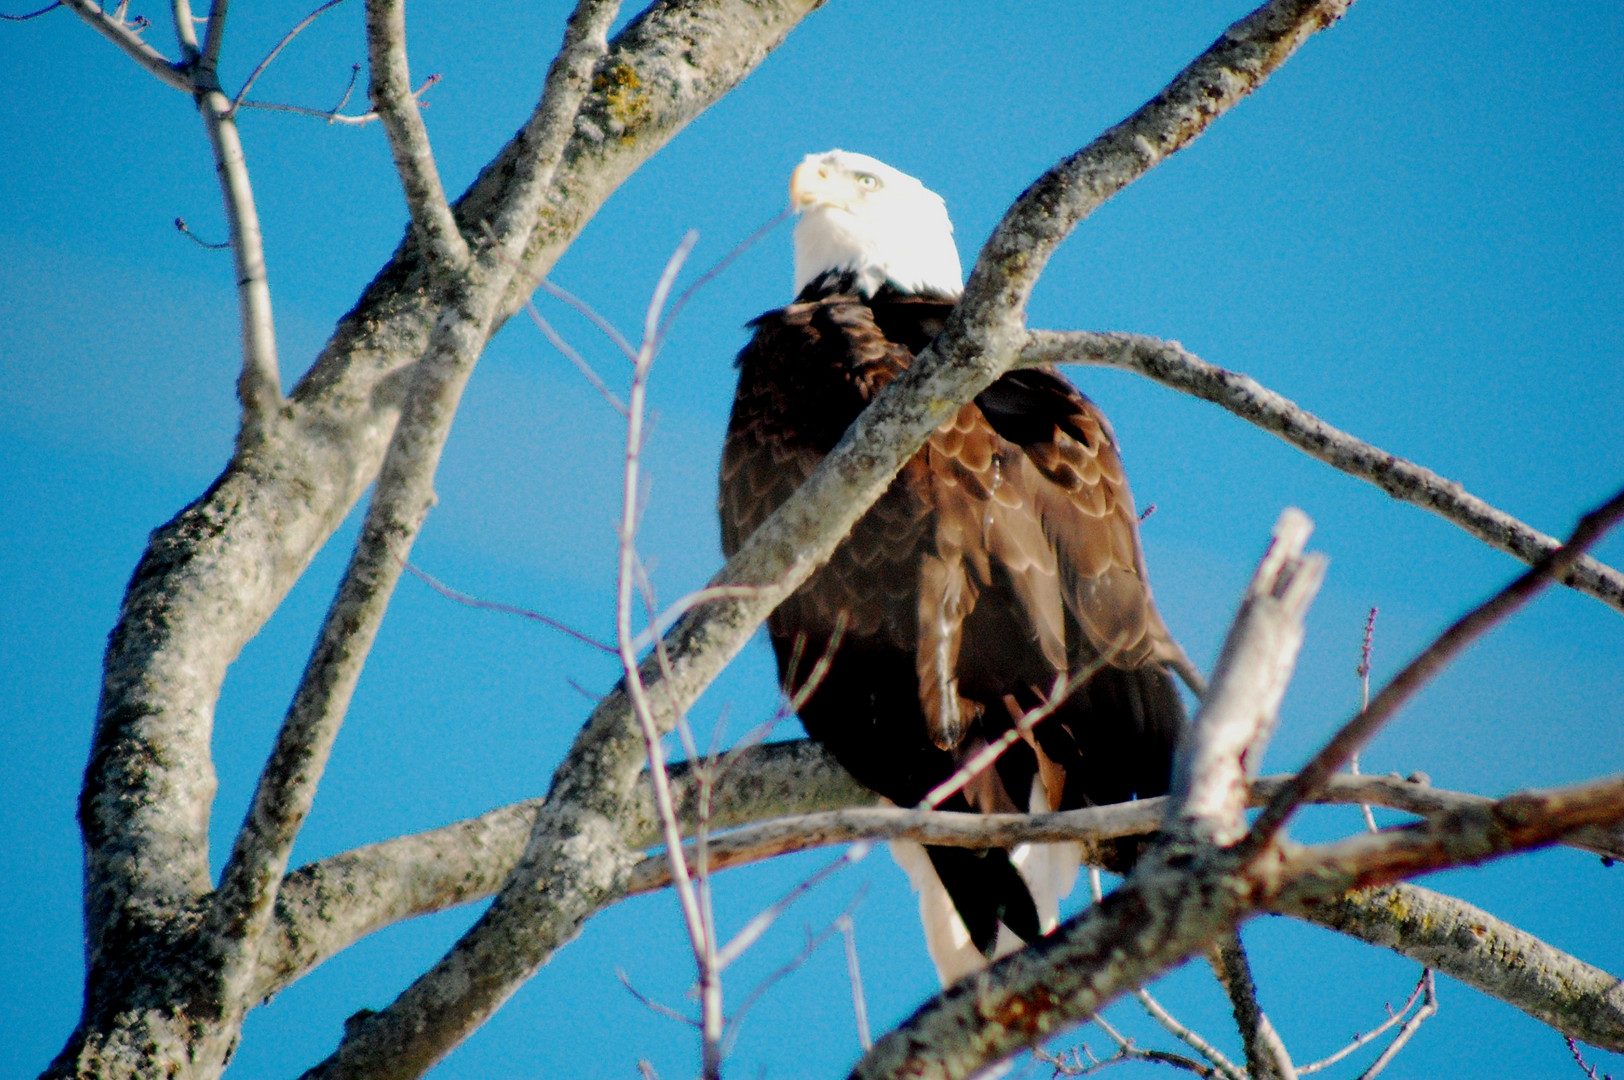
(861, 215)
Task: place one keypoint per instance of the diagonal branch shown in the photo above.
(1486, 953)
(1266, 1054)
(114, 29)
(1170, 364)
(214, 35)
(287, 39)
(1463, 837)
(1218, 759)
(443, 243)
(259, 386)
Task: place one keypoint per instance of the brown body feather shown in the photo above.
(1004, 555)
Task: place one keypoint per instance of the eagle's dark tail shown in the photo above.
(1115, 738)
(986, 890)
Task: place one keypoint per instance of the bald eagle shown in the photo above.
(1005, 554)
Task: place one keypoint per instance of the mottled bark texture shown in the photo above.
(1469, 944)
(211, 577)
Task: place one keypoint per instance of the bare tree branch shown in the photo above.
(335, 115)
(395, 104)
(46, 10)
(1489, 954)
(327, 906)
(1518, 822)
(120, 33)
(1170, 364)
(259, 387)
(1346, 742)
(1423, 987)
(287, 39)
(1428, 1009)
(1213, 768)
(467, 861)
(1170, 908)
(214, 35)
(1266, 1055)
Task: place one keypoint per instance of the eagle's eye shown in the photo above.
(867, 181)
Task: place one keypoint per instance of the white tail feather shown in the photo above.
(1049, 870)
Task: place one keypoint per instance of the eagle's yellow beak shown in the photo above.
(808, 185)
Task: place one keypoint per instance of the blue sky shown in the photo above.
(1412, 230)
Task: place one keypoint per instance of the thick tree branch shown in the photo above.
(765, 839)
(1169, 909)
(327, 906)
(1170, 364)
(1467, 943)
(396, 106)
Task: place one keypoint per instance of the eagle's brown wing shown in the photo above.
(1003, 555)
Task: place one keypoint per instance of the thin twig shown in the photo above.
(1363, 671)
(988, 755)
(1428, 1009)
(854, 975)
(650, 1004)
(703, 943)
(607, 328)
(1579, 1059)
(751, 932)
(721, 264)
(333, 115)
(287, 39)
(813, 942)
(47, 9)
(506, 609)
(573, 355)
(1372, 1035)
(1126, 1051)
(1431, 660)
(182, 228)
